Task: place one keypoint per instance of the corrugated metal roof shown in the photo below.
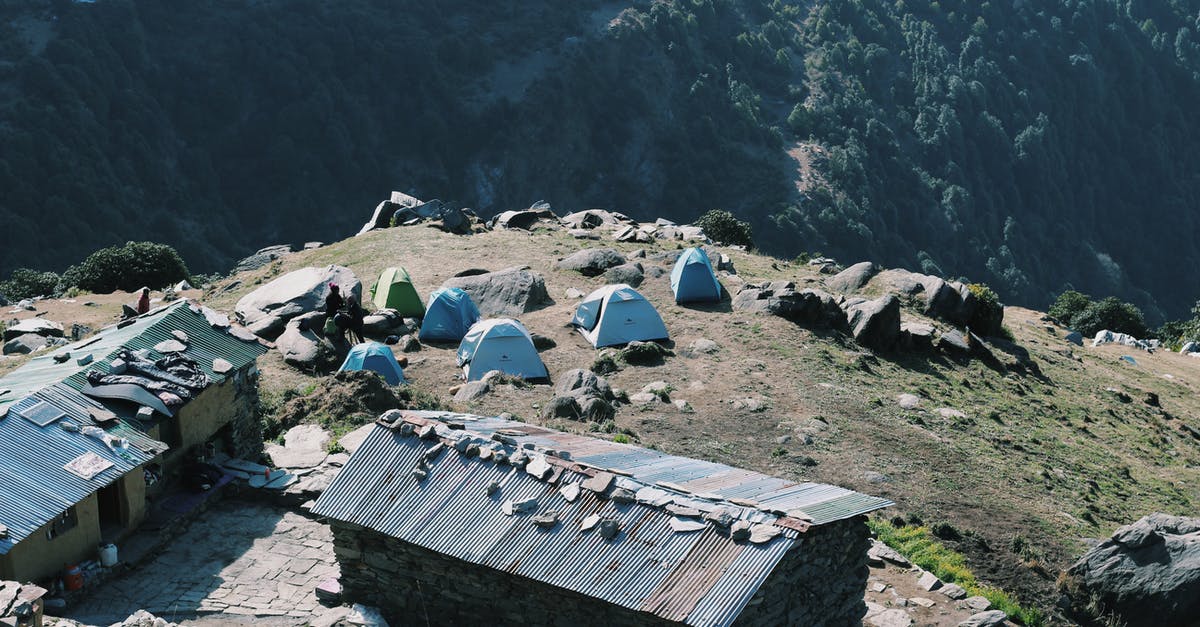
(700, 577)
(34, 487)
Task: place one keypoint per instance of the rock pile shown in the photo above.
(779, 298)
(582, 395)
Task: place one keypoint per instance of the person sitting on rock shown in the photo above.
(143, 304)
(333, 304)
(357, 316)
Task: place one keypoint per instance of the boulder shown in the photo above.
(509, 292)
(990, 618)
(916, 336)
(596, 409)
(852, 278)
(25, 344)
(591, 261)
(629, 273)
(266, 310)
(472, 390)
(542, 342)
(561, 407)
(582, 383)
(1147, 573)
(644, 353)
(303, 347)
(875, 323)
(812, 308)
(954, 342)
(704, 345)
(592, 218)
(525, 219)
(382, 217)
(1076, 338)
(35, 326)
(305, 446)
(263, 257)
(385, 322)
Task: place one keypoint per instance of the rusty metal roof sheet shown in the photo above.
(698, 577)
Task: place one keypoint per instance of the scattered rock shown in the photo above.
(1076, 338)
(221, 366)
(921, 601)
(509, 292)
(908, 401)
(644, 353)
(917, 336)
(752, 405)
(170, 346)
(946, 412)
(643, 398)
(879, 616)
(408, 344)
(954, 343)
(882, 552)
(266, 310)
(25, 344)
(990, 618)
(852, 278)
(704, 345)
(683, 406)
(574, 293)
(871, 476)
(591, 261)
(976, 604)
(929, 581)
(953, 591)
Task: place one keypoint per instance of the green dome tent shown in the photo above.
(395, 290)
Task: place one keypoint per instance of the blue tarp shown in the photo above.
(450, 314)
(692, 278)
(375, 357)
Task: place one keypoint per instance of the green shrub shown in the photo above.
(724, 228)
(989, 311)
(1111, 314)
(128, 267)
(25, 283)
(1068, 305)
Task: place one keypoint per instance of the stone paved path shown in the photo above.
(239, 560)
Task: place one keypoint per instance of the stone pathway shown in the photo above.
(239, 561)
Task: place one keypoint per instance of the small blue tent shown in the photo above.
(450, 314)
(692, 278)
(376, 357)
(500, 344)
(618, 314)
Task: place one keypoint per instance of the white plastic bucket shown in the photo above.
(108, 555)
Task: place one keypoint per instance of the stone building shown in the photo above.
(80, 457)
(453, 518)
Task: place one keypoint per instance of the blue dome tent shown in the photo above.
(375, 357)
(500, 344)
(692, 278)
(618, 314)
(450, 314)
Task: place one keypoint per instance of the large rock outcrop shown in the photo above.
(304, 347)
(509, 292)
(34, 326)
(810, 308)
(1148, 573)
(852, 278)
(267, 309)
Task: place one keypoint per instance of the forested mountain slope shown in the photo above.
(1028, 144)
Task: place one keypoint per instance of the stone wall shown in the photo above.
(232, 403)
(821, 582)
(413, 585)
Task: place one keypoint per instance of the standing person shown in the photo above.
(143, 305)
(333, 303)
(356, 320)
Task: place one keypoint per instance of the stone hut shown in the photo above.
(459, 518)
(86, 435)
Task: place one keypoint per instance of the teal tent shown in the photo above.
(693, 280)
(500, 344)
(376, 357)
(450, 314)
(618, 314)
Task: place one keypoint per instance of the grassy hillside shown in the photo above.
(1035, 464)
(1034, 146)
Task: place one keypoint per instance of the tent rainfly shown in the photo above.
(375, 357)
(499, 344)
(395, 290)
(693, 280)
(450, 314)
(618, 314)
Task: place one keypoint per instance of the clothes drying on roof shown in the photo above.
(692, 278)
(158, 388)
(449, 316)
(175, 368)
(375, 357)
(618, 314)
(395, 290)
(499, 344)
